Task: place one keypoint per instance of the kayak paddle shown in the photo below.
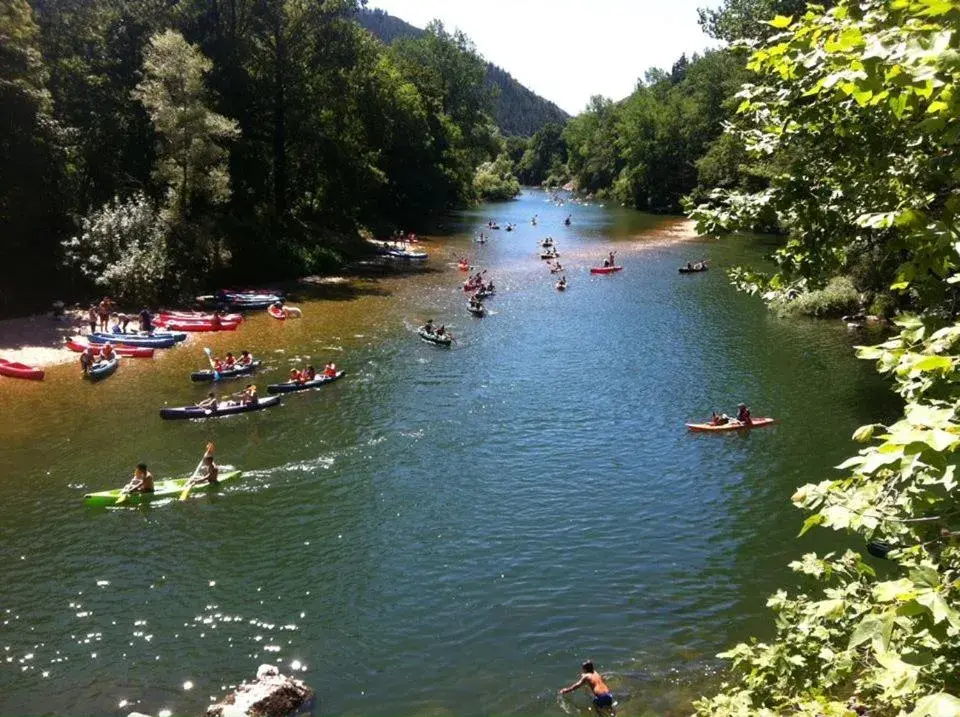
(216, 374)
(124, 494)
(186, 490)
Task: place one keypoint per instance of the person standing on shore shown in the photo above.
(602, 697)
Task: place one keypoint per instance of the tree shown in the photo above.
(33, 176)
(192, 162)
(859, 102)
(494, 181)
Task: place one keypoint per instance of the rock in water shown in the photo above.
(271, 695)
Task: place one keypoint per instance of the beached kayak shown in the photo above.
(103, 369)
(15, 369)
(161, 489)
(291, 386)
(193, 325)
(157, 340)
(211, 375)
(80, 345)
(734, 425)
(433, 338)
(197, 316)
(604, 269)
(226, 408)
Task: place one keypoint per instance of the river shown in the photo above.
(442, 531)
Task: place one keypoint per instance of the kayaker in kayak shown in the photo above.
(142, 481)
(568, 220)
(294, 376)
(610, 260)
(719, 420)
(330, 369)
(743, 414)
(210, 473)
(87, 359)
(591, 679)
(309, 373)
(230, 361)
(209, 403)
(249, 394)
(441, 331)
(107, 353)
(428, 327)
(245, 358)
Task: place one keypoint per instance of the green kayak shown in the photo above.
(161, 489)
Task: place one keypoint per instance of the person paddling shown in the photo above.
(309, 373)
(209, 473)
(209, 403)
(743, 414)
(590, 678)
(245, 358)
(330, 370)
(142, 481)
(87, 359)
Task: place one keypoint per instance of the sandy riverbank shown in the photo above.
(38, 340)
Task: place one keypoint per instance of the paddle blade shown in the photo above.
(185, 492)
(122, 499)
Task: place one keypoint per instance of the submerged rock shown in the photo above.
(270, 695)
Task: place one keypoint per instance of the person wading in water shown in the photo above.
(602, 697)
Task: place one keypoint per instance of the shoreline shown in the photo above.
(37, 340)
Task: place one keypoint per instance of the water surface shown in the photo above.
(443, 531)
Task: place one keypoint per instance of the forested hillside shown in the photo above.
(150, 148)
(516, 109)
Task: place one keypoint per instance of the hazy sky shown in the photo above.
(568, 50)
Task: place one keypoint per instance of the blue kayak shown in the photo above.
(157, 340)
(102, 369)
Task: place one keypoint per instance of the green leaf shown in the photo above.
(901, 589)
(870, 628)
(940, 704)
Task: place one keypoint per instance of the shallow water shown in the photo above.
(442, 531)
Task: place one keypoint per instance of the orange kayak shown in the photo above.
(734, 425)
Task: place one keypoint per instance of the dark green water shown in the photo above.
(442, 531)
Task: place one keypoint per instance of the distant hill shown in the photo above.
(517, 110)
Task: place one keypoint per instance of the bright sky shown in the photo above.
(569, 50)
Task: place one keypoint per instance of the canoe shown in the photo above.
(223, 409)
(128, 340)
(604, 269)
(291, 386)
(404, 254)
(477, 311)
(128, 351)
(197, 316)
(103, 369)
(433, 338)
(210, 375)
(561, 286)
(550, 255)
(196, 326)
(15, 369)
(734, 425)
(161, 489)
(484, 293)
(694, 270)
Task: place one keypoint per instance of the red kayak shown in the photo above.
(14, 369)
(733, 425)
(198, 316)
(605, 269)
(128, 351)
(196, 326)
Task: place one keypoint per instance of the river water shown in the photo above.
(442, 531)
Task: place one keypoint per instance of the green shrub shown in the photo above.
(837, 298)
(883, 305)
